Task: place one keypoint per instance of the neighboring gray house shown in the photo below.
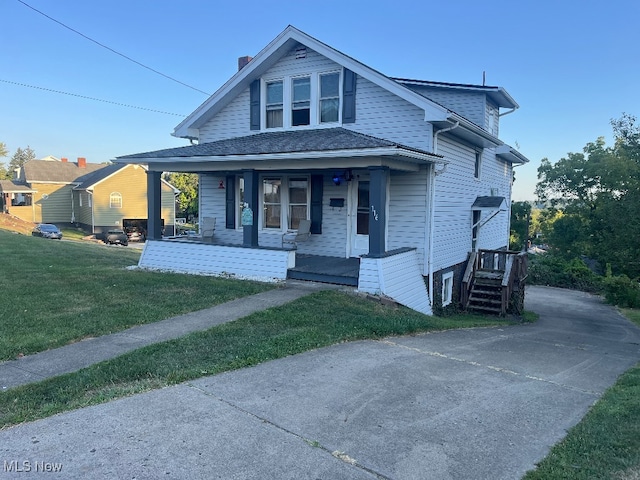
(393, 173)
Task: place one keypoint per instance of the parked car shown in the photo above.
(135, 234)
(47, 230)
(116, 236)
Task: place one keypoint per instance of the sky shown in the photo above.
(571, 65)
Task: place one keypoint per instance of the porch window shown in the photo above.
(298, 201)
(301, 101)
(272, 203)
(329, 97)
(274, 104)
(115, 200)
(240, 199)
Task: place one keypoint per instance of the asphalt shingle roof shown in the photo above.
(9, 186)
(324, 139)
(58, 172)
(94, 177)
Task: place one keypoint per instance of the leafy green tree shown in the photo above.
(3, 170)
(20, 158)
(187, 199)
(520, 223)
(599, 191)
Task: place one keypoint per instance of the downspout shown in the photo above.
(93, 218)
(433, 209)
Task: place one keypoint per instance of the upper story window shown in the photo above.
(329, 97)
(301, 101)
(298, 101)
(115, 200)
(274, 104)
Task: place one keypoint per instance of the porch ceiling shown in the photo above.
(292, 150)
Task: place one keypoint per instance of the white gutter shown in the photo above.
(432, 185)
(507, 112)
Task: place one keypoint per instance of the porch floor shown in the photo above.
(315, 268)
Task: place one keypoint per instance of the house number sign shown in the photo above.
(375, 214)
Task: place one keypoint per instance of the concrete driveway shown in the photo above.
(464, 404)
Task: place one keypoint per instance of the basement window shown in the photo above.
(447, 288)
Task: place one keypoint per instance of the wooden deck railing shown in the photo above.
(509, 265)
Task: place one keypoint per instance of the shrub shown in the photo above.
(622, 291)
(556, 271)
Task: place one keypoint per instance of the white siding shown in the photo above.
(456, 190)
(398, 277)
(471, 105)
(408, 212)
(381, 114)
(199, 258)
(233, 120)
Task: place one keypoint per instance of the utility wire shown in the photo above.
(111, 49)
(90, 98)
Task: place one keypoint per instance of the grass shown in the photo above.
(318, 320)
(53, 293)
(606, 443)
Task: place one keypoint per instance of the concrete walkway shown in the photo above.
(461, 404)
(75, 356)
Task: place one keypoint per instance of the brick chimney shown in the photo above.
(82, 162)
(64, 160)
(243, 61)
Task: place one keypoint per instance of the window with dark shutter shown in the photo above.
(349, 97)
(231, 202)
(254, 105)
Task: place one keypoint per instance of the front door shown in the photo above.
(359, 217)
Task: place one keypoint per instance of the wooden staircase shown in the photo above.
(493, 282)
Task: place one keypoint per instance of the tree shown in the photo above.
(599, 190)
(20, 158)
(520, 223)
(187, 199)
(3, 170)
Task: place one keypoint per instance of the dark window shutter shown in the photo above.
(254, 104)
(316, 203)
(349, 97)
(231, 202)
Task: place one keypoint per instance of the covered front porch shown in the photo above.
(364, 198)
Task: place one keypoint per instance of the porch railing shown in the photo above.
(507, 268)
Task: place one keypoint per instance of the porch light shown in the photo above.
(221, 185)
(336, 180)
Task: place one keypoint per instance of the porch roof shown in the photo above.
(283, 146)
(9, 186)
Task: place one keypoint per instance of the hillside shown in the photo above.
(14, 224)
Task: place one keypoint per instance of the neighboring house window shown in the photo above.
(89, 200)
(301, 101)
(478, 164)
(115, 200)
(329, 97)
(447, 288)
(272, 203)
(80, 198)
(274, 107)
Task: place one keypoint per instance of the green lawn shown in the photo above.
(314, 321)
(55, 292)
(606, 443)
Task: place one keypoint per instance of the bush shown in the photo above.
(556, 271)
(622, 291)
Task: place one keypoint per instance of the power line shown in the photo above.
(112, 50)
(91, 98)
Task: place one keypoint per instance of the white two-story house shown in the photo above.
(401, 178)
